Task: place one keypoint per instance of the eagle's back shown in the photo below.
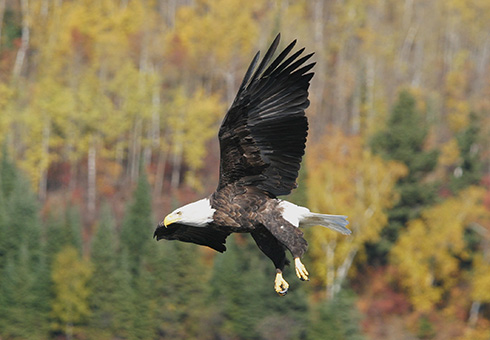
(241, 209)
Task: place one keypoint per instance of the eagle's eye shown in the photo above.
(179, 213)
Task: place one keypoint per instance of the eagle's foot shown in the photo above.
(301, 271)
(280, 285)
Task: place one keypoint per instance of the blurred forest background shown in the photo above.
(109, 111)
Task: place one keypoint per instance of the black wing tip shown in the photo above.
(221, 248)
(267, 58)
(158, 231)
(210, 238)
(291, 44)
(276, 39)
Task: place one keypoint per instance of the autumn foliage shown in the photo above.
(109, 111)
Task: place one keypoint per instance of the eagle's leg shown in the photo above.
(275, 251)
(292, 238)
(301, 271)
(280, 285)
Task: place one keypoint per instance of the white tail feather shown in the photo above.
(334, 222)
(303, 217)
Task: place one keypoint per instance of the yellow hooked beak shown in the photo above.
(171, 218)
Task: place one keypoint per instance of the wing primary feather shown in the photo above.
(297, 63)
(303, 70)
(273, 71)
(267, 57)
(247, 76)
(279, 58)
(286, 62)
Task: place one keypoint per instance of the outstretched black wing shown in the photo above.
(263, 135)
(199, 235)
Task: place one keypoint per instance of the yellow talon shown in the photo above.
(280, 285)
(301, 271)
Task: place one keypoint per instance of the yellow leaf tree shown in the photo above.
(70, 276)
(192, 120)
(426, 255)
(345, 178)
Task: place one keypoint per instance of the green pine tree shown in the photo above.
(337, 319)
(469, 171)
(21, 220)
(103, 284)
(234, 291)
(136, 308)
(243, 298)
(3, 231)
(41, 290)
(124, 299)
(470, 168)
(137, 227)
(180, 290)
(156, 287)
(7, 179)
(63, 228)
(23, 311)
(73, 227)
(403, 141)
(8, 173)
(144, 326)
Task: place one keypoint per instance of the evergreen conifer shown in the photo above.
(336, 319)
(103, 284)
(22, 270)
(470, 168)
(124, 298)
(136, 232)
(403, 140)
(245, 304)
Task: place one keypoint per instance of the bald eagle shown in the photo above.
(262, 140)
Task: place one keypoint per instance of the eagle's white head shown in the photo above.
(196, 214)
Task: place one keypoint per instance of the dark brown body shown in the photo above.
(250, 210)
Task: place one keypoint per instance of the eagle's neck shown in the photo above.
(197, 214)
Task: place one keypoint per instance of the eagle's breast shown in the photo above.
(240, 209)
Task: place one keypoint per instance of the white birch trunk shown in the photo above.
(343, 270)
(91, 179)
(330, 257)
(25, 37)
(474, 312)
